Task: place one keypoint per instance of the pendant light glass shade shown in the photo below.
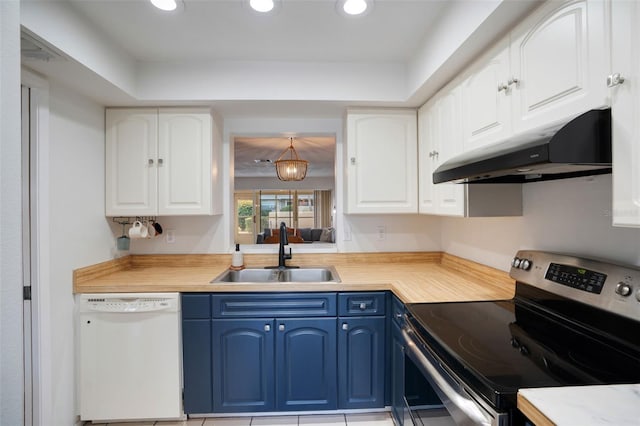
(293, 168)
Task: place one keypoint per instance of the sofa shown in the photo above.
(297, 235)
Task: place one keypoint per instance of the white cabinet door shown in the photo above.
(382, 170)
(559, 60)
(625, 111)
(450, 196)
(184, 162)
(486, 100)
(427, 148)
(439, 138)
(130, 167)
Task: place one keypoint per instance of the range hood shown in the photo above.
(580, 147)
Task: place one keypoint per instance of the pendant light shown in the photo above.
(293, 168)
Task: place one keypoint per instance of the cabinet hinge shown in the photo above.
(26, 292)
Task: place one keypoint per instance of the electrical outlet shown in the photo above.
(347, 232)
(382, 232)
(171, 236)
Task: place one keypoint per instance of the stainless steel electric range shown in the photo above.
(572, 321)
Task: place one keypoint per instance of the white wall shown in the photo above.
(567, 216)
(402, 233)
(79, 233)
(11, 386)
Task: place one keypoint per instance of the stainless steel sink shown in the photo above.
(248, 275)
(289, 275)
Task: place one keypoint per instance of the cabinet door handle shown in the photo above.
(502, 86)
(151, 161)
(513, 80)
(281, 327)
(363, 306)
(160, 161)
(615, 80)
(353, 160)
(267, 328)
(345, 326)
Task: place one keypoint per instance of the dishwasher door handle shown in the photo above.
(463, 402)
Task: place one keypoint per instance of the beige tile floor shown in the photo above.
(431, 418)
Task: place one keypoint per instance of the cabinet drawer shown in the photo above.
(361, 303)
(281, 305)
(398, 310)
(196, 306)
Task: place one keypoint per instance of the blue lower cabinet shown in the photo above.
(196, 354)
(274, 364)
(260, 352)
(243, 361)
(361, 361)
(306, 364)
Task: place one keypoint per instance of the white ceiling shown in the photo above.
(298, 30)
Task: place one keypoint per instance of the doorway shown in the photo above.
(35, 241)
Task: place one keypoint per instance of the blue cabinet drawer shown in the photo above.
(196, 306)
(281, 305)
(361, 303)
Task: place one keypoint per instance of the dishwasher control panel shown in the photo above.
(128, 303)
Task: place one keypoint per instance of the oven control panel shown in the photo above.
(608, 286)
(575, 277)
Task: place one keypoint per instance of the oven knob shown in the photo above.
(524, 350)
(525, 264)
(515, 262)
(623, 289)
(515, 343)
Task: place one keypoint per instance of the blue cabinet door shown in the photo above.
(361, 358)
(196, 354)
(243, 365)
(306, 364)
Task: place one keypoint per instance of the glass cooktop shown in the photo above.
(499, 347)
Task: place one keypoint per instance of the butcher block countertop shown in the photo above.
(413, 277)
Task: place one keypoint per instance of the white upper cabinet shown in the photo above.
(439, 138)
(558, 62)
(486, 109)
(548, 70)
(131, 154)
(382, 165)
(624, 79)
(159, 162)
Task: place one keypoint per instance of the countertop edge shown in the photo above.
(532, 412)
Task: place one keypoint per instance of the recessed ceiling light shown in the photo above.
(261, 5)
(354, 7)
(167, 5)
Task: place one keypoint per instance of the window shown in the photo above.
(258, 210)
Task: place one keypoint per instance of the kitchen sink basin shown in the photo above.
(289, 275)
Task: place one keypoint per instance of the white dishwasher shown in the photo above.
(130, 356)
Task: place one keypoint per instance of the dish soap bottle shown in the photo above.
(237, 260)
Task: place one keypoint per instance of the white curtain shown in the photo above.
(323, 208)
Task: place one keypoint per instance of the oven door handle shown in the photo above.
(464, 403)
